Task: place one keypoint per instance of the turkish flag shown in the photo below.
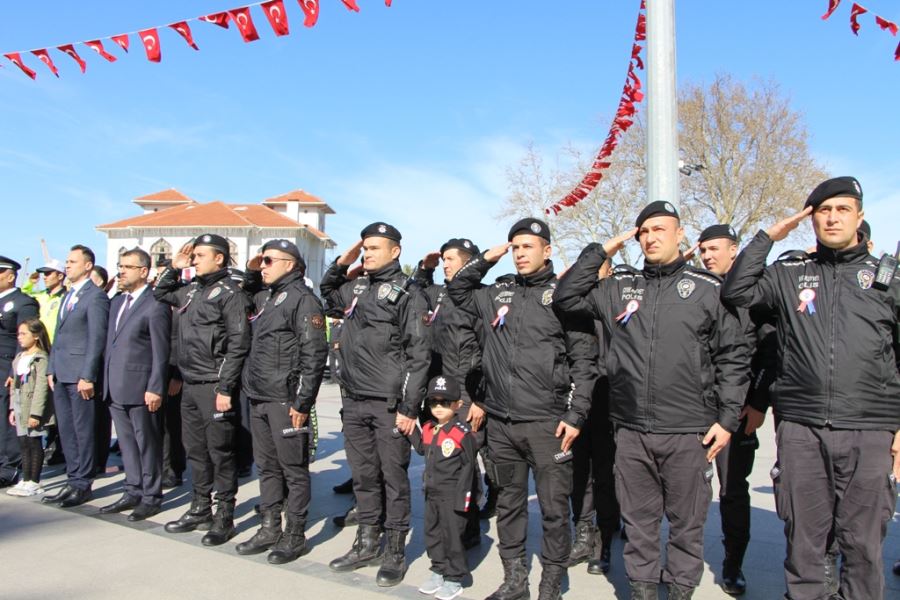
(897, 53)
(854, 15)
(184, 31)
(97, 46)
(244, 22)
(885, 24)
(832, 6)
(121, 40)
(45, 58)
(70, 50)
(274, 10)
(220, 19)
(17, 60)
(351, 5)
(387, 3)
(150, 38)
(310, 10)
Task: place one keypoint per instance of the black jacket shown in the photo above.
(534, 367)
(288, 349)
(213, 334)
(677, 364)
(450, 462)
(15, 308)
(383, 349)
(838, 365)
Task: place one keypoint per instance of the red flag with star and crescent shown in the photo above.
(274, 10)
(310, 11)
(244, 22)
(184, 30)
(70, 50)
(150, 39)
(97, 46)
(121, 40)
(17, 60)
(220, 19)
(44, 57)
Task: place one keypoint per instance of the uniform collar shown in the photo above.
(652, 270)
(211, 278)
(285, 280)
(540, 277)
(386, 273)
(852, 254)
(7, 292)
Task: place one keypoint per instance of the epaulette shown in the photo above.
(505, 280)
(461, 426)
(703, 275)
(794, 257)
(624, 271)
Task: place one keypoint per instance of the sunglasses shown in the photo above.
(442, 402)
(270, 260)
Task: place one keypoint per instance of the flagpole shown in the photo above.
(662, 103)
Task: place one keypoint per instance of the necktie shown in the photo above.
(128, 299)
(66, 306)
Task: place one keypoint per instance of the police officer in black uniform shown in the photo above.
(384, 358)
(836, 393)
(678, 369)
(174, 460)
(281, 379)
(214, 338)
(717, 246)
(15, 307)
(539, 379)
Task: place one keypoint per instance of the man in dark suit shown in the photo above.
(137, 357)
(15, 307)
(75, 364)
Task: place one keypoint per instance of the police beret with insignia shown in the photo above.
(656, 209)
(285, 246)
(715, 232)
(443, 387)
(530, 226)
(8, 263)
(379, 229)
(214, 241)
(462, 244)
(838, 186)
(866, 229)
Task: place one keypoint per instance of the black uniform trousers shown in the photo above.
(75, 420)
(828, 478)
(734, 464)
(173, 447)
(210, 445)
(516, 447)
(377, 457)
(282, 462)
(594, 487)
(659, 474)
(443, 534)
(10, 450)
(140, 442)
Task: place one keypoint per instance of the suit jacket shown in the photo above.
(80, 335)
(137, 353)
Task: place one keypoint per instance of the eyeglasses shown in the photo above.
(121, 266)
(270, 260)
(442, 402)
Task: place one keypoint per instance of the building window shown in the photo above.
(233, 251)
(161, 249)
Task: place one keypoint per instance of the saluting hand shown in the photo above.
(255, 263)
(780, 230)
(689, 254)
(349, 257)
(182, 260)
(716, 438)
(568, 434)
(617, 243)
(497, 252)
(431, 260)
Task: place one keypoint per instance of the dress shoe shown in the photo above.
(77, 498)
(344, 488)
(733, 582)
(59, 496)
(172, 481)
(144, 511)
(124, 503)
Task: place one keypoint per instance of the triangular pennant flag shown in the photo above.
(70, 50)
(310, 11)
(121, 40)
(832, 6)
(854, 15)
(244, 22)
(220, 19)
(184, 31)
(885, 24)
(45, 58)
(17, 60)
(351, 5)
(150, 39)
(274, 10)
(97, 46)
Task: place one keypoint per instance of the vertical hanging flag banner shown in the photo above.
(855, 12)
(886, 25)
(121, 40)
(310, 11)
(97, 46)
(185, 31)
(274, 10)
(150, 39)
(44, 57)
(832, 6)
(70, 50)
(244, 22)
(17, 60)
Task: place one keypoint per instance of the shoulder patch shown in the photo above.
(706, 276)
(317, 321)
(214, 293)
(623, 269)
(793, 258)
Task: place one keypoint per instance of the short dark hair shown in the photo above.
(103, 273)
(86, 252)
(142, 256)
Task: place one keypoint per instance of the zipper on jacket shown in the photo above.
(834, 294)
(515, 344)
(650, 354)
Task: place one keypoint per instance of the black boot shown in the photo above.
(199, 516)
(583, 543)
(733, 582)
(349, 519)
(601, 555)
(551, 582)
(393, 565)
(291, 545)
(642, 590)
(265, 537)
(679, 592)
(366, 550)
(515, 581)
(222, 528)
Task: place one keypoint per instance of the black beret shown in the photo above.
(443, 387)
(8, 263)
(655, 209)
(213, 241)
(839, 186)
(379, 229)
(866, 229)
(530, 226)
(285, 246)
(466, 245)
(714, 232)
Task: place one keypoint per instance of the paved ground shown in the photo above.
(47, 552)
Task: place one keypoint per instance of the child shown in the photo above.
(450, 463)
(31, 407)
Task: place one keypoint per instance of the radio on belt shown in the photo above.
(887, 267)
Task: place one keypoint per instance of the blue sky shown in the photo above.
(409, 114)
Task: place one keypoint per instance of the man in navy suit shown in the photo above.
(137, 359)
(74, 367)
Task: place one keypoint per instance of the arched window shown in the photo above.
(161, 249)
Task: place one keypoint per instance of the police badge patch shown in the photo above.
(280, 298)
(536, 227)
(447, 447)
(214, 294)
(865, 278)
(547, 297)
(8, 306)
(383, 290)
(685, 287)
(382, 229)
(318, 321)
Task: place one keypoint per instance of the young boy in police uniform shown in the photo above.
(450, 462)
